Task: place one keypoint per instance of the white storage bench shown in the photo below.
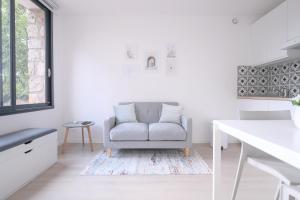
(24, 155)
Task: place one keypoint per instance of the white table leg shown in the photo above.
(216, 163)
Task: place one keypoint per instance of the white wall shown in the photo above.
(49, 118)
(208, 51)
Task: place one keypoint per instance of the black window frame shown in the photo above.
(13, 108)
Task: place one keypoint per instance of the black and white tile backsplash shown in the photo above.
(275, 80)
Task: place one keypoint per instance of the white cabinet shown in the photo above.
(259, 50)
(268, 35)
(21, 164)
(293, 23)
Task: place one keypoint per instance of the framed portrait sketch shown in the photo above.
(151, 61)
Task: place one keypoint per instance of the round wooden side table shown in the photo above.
(78, 124)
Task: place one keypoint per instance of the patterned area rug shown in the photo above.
(147, 162)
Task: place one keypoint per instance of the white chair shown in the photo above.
(290, 191)
(286, 174)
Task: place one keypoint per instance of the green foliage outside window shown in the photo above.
(5, 51)
(22, 78)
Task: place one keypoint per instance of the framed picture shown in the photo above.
(131, 52)
(171, 65)
(171, 51)
(151, 61)
(171, 57)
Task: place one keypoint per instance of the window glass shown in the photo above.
(25, 57)
(5, 72)
(30, 53)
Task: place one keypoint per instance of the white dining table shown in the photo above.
(278, 138)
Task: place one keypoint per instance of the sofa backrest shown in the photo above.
(148, 112)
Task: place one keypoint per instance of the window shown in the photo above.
(26, 56)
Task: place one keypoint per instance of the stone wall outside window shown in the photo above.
(36, 55)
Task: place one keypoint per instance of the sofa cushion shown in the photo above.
(166, 131)
(125, 113)
(129, 132)
(170, 114)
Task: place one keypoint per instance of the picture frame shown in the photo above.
(151, 61)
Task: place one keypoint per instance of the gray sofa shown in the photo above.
(148, 133)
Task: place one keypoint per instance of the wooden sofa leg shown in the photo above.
(108, 151)
(186, 152)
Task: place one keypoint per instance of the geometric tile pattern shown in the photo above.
(275, 80)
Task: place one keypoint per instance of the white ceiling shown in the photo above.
(167, 7)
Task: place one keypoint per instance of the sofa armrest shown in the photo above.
(108, 125)
(187, 124)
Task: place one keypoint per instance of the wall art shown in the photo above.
(151, 61)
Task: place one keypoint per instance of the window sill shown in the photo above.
(9, 111)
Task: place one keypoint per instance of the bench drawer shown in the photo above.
(21, 164)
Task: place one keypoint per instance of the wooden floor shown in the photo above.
(63, 182)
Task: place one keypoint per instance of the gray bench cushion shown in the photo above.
(129, 132)
(166, 131)
(13, 139)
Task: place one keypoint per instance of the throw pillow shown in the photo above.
(170, 114)
(125, 113)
